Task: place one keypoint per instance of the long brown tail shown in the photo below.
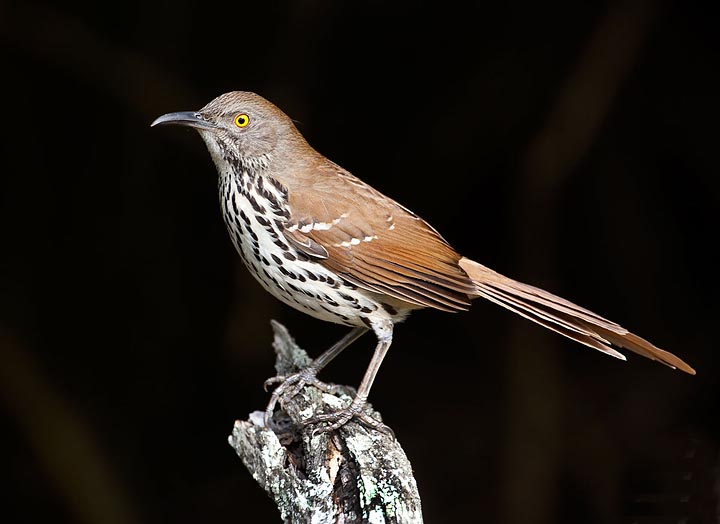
(563, 316)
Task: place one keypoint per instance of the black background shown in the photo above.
(572, 145)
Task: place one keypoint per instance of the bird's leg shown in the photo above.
(291, 385)
(355, 410)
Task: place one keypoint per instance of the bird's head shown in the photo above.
(239, 127)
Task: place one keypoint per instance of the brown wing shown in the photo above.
(374, 243)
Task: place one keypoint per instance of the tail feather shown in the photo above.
(550, 322)
(564, 317)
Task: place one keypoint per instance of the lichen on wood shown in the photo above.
(352, 475)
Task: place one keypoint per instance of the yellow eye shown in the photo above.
(242, 120)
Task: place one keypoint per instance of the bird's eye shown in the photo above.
(242, 120)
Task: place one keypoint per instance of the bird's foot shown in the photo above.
(356, 410)
(290, 385)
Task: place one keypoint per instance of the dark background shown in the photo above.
(572, 145)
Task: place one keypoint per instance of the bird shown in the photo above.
(328, 244)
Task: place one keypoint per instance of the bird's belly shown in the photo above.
(303, 284)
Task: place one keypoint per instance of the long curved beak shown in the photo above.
(184, 118)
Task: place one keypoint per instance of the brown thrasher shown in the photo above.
(327, 244)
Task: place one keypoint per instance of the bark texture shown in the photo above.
(352, 475)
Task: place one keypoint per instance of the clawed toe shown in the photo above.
(279, 379)
(290, 385)
(332, 421)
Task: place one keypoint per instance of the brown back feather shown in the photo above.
(381, 247)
